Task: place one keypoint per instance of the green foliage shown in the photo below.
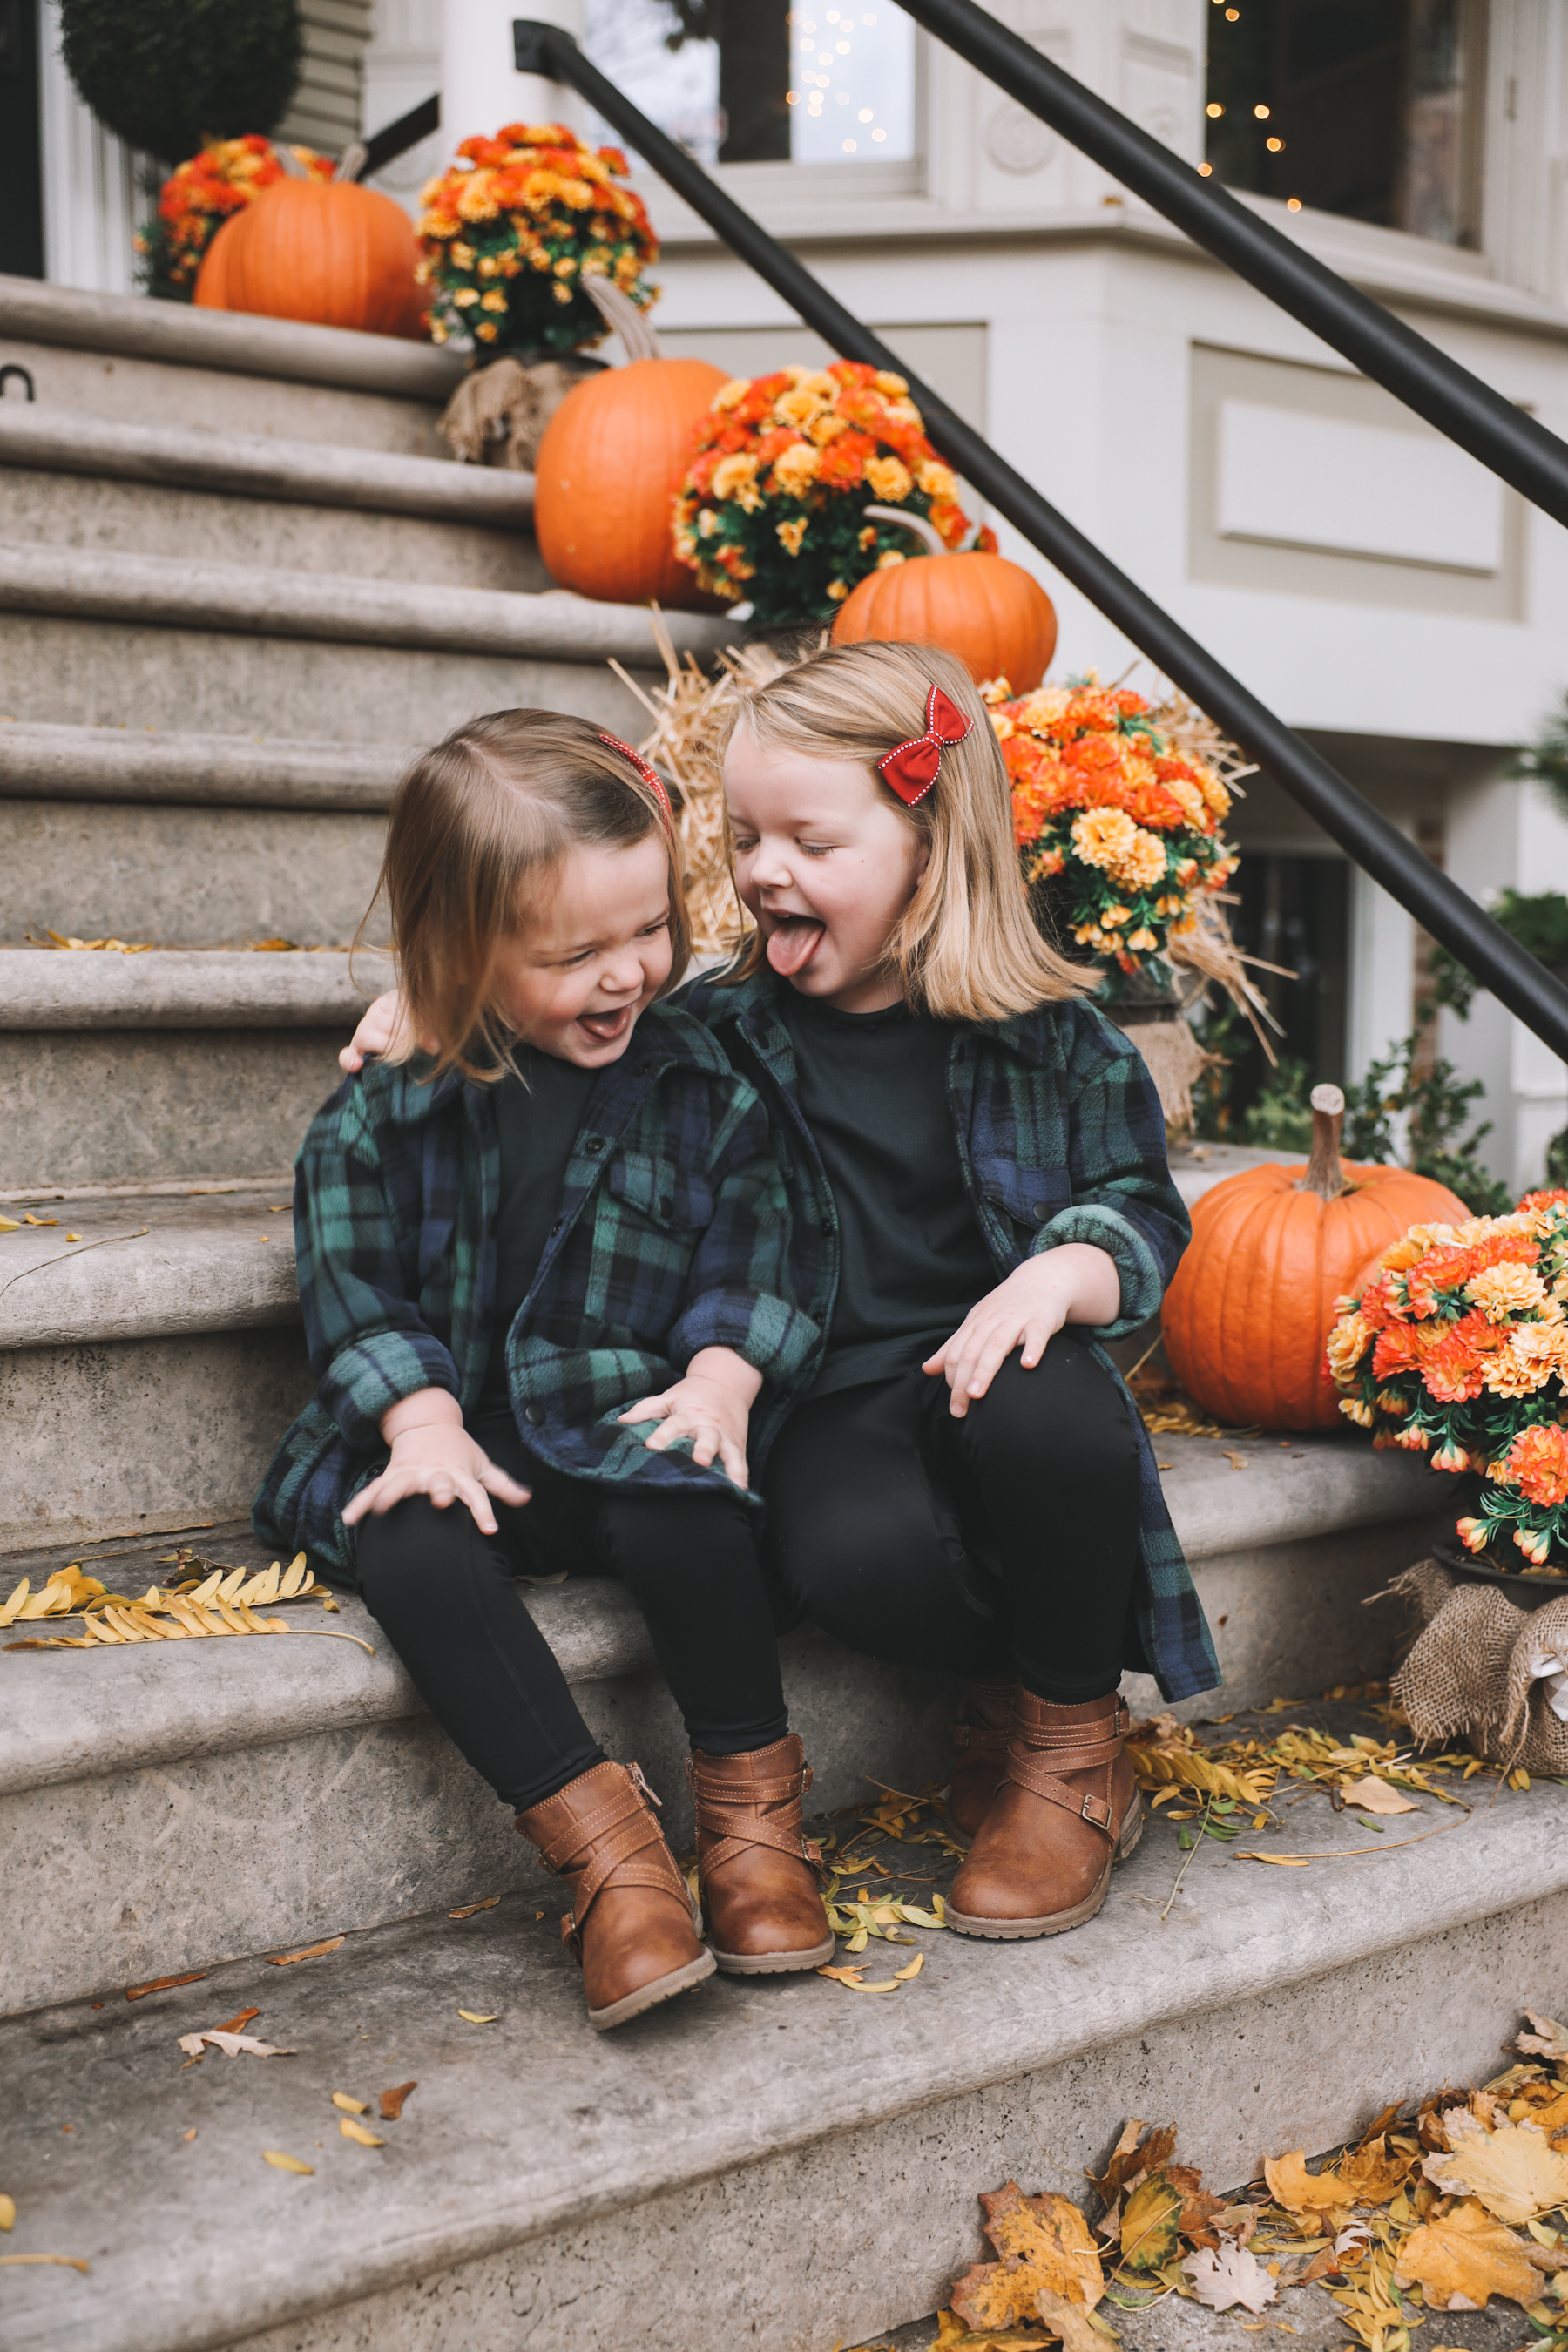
(1545, 761)
(167, 75)
(1538, 920)
(1434, 1106)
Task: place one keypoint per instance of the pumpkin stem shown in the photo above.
(292, 167)
(620, 313)
(1325, 1174)
(923, 530)
(352, 161)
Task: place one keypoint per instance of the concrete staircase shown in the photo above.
(240, 583)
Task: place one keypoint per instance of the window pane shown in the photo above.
(1367, 107)
(751, 81)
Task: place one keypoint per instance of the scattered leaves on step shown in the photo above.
(479, 2016)
(1460, 2258)
(1374, 1796)
(466, 1910)
(1080, 2330)
(1513, 2169)
(1371, 2175)
(311, 1952)
(1149, 2224)
(350, 2104)
(1045, 2247)
(1229, 2274)
(7, 2212)
(1549, 2040)
(62, 2262)
(231, 2044)
(222, 1600)
(953, 2337)
(357, 2131)
(238, 2023)
(912, 1969)
(1129, 2162)
(164, 1984)
(855, 1979)
(281, 2161)
(110, 947)
(392, 2102)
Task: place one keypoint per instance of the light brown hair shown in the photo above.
(479, 823)
(966, 946)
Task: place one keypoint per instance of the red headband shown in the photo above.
(912, 768)
(650, 775)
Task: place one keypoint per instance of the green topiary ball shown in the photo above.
(165, 75)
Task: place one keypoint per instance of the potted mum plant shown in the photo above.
(198, 197)
(1458, 1348)
(774, 508)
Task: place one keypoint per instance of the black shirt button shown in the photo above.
(666, 1205)
(555, 1228)
(533, 1415)
(593, 1143)
(1042, 1212)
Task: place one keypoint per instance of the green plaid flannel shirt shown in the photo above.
(1061, 1139)
(673, 1235)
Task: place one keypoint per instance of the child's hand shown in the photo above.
(381, 1028)
(710, 1405)
(1074, 1284)
(432, 1453)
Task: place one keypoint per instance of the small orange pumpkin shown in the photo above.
(609, 465)
(993, 614)
(1248, 1317)
(325, 251)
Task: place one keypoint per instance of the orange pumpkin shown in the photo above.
(328, 252)
(1248, 1315)
(993, 614)
(608, 468)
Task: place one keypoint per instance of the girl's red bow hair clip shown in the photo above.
(650, 775)
(912, 768)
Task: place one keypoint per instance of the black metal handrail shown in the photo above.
(1459, 404)
(397, 138)
(1376, 844)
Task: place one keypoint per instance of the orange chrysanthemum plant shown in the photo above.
(512, 228)
(1457, 1348)
(1118, 826)
(198, 197)
(773, 509)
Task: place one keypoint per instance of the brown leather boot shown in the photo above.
(980, 1735)
(631, 1925)
(1067, 1811)
(758, 1874)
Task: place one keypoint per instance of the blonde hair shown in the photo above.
(966, 946)
(478, 823)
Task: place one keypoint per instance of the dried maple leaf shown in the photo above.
(392, 2102)
(1464, 2257)
(1224, 2277)
(1549, 2040)
(1045, 2247)
(231, 2044)
(1369, 2175)
(1515, 2169)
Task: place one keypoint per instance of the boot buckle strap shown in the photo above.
(1096, 1812)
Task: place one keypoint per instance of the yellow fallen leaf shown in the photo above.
(350, 2104)
(1070, 2321)
(1367, 2176)
(65, 2261)
(1376, 1796)
(1460, 2260)
(73, 1238)
(10, 1224)
(351, 2130)
(12, 1609)
(479, 2016)
(851, 1977)
(7, 2212)
(1549, 2040)
(1515, 2169)
(1281, 1861)
(913, 1970)
(1044, 2247)
(283, 2163)
(877, 1984)
(311, 1952)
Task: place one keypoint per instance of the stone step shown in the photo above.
(41, 760)
(141, 363)
(772, 2162)
(146, 641)
(121, 1067)
(89, 482)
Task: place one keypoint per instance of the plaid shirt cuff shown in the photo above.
(367, 1378)
(775, 1339)
(1142, 1281)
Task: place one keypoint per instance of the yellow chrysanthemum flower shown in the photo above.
(836, 590)
(937, 480)
(890, 479)
(890, 560)
(733, 473)
(1502, 1292)
(1142, 863)
(893, 385)
(798, 405)
(793, 472)
(791, 534)
(1102, 836)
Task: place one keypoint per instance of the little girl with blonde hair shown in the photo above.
(977, 1162)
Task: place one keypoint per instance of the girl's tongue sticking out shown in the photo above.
(794, 942)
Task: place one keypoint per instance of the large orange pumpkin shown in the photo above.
(328, 252)
(993, 614)
(1248, 1315)
(610, 464)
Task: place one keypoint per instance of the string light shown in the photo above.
(1292, 204)
(1214, 109)
(1204, 169)
(1275, 146)
(1261, 113)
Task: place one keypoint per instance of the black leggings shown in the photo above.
(447, 1597)
(1004, 1542)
